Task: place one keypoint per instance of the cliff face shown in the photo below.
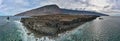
(49, 9)
(55, 24)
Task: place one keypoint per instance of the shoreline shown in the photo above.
(51, 25)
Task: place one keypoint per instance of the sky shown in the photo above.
(12, 7)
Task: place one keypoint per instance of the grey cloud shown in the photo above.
(17, 6)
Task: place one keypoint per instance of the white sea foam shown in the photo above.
(30, 37)
(67, 35)
(26, 37)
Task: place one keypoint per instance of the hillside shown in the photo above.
(49, 9)
(54, 9)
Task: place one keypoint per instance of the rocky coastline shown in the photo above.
(55, 23)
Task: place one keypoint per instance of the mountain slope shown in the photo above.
(67, 11)
(54, 9)
(49, 9)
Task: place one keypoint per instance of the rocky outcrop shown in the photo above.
(55, 23)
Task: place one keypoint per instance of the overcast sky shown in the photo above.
(12, 7)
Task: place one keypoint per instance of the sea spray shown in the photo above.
(31, 37)
(22, 30)
(61, 37)
(68, 36)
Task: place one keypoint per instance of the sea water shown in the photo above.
(106, 29)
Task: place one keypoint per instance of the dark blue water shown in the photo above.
(106, 29)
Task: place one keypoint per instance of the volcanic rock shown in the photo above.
(55, 23)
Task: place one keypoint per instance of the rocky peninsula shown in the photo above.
(54, 24)
(52, 20)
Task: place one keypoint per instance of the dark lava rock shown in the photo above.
(55, 24)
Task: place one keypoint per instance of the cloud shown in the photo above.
(116, 4)
(22, 2)
(80, 4)
(0, 2)
(12, 7)
(69, 3)
(105, 6)
(100, 3)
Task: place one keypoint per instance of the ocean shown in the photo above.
(106, 29)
